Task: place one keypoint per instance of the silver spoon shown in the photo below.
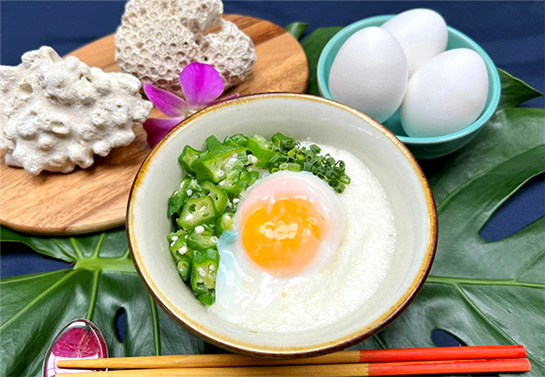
(80, 339)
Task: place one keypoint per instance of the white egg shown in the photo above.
(445, 95)
(369, 73)
(248, 290)
(422, 33)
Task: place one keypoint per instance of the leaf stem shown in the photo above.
(484, 317)
(79, 255)
(121, 264)
(156, 333)
(99, 245)
(66, 253)
(458, 281)
(94, 294)
(380, 341)
(530, 263)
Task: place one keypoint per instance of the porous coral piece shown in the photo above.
(56, 114)
(158, 38)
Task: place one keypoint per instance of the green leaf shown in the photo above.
(508, 133)
(297, 29)
(313, 46)
(483, 292)
(103, 280)
(514, 91)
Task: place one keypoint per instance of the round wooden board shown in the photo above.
(95, 199)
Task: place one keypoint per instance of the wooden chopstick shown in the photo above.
(343, 357)
(335, 370)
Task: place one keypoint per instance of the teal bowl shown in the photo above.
(422, 147)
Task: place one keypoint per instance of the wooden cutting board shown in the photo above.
(95, 199)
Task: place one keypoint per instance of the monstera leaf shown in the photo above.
(485, 292)
(313, 46)
(101, 283)
(480, 292)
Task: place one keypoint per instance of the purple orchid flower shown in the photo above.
(201, 84)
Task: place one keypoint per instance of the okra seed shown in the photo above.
(182, 250)
(252, 159)
(175, 238)
(189, 192)
(212, 268)
(202, 208)
(202, 272)
(221, 173)
(199, 229)
(236, 200)
(214, 239)
(189, 217)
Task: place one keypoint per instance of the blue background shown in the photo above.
(512, 32)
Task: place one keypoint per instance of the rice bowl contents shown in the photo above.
(274, 236)
(204, 205)
(362, 236)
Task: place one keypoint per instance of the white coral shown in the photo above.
(158, 38)
(55, 113)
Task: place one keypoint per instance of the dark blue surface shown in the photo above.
(511, 32)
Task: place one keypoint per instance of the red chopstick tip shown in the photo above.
(449, 367)
(442, 353)
(522, 350)
(528, 364)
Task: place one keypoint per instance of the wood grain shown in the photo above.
(95, 199)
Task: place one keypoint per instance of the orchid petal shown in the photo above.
(201, 83)
(157, 128)
(233, 96)
(170, 104)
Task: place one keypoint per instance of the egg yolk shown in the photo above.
(283, 236)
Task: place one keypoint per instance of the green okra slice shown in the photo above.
(176, 243)
(262, 149)
(184, 266)
(224, 222)
(180, 252)
(188, 156)
(178, 198)
(197, 211)
(238, 139)
(237, 180)
(202, 241)
(219, 196)
(189, 187)
(214, 166)
(204, 268)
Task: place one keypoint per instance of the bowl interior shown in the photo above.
(301, 117)
(456, 39)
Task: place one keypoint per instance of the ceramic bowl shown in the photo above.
(299, 116)
(421, 147)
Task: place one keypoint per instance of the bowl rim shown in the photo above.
(490, 66)
(284, 352)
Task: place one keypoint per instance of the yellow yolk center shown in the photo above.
(283, 237)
